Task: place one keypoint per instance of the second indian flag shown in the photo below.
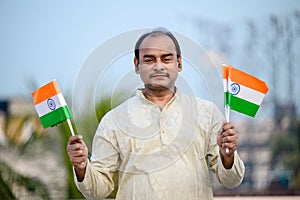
(242, 92)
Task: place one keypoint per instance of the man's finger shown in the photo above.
(76, 146)
(227, 139)
(227, 126)
(76, 160)
(229, 132)
(75, 139)
(78, 153)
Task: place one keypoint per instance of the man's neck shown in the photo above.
(159, 97)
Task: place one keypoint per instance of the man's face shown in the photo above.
(158, 65)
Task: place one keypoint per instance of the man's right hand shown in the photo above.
(78, 154)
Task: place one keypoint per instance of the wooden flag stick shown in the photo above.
(70, 127)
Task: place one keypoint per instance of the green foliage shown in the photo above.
(10, 179)
(14, 134)
(5, 191)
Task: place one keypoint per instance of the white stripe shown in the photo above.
(248, 94)
(43, 108)
(225, 85)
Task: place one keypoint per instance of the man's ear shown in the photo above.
(136, 65)
(179, 61)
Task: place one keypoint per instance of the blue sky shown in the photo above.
(43, 40)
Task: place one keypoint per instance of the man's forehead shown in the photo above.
(158, 42)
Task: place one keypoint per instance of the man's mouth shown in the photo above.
(159, 75)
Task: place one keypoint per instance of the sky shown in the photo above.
(45, 40)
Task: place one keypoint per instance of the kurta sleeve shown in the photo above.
(231, 177)
(228, 177)
(98, 181)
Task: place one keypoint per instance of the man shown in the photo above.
(161, 141)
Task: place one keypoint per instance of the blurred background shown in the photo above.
(45, 40)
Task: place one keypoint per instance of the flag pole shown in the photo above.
(227, 117)
(70, 127)
(227, 113)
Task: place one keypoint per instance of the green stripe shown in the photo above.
(55, 117)
(240, 105)
(226, 97)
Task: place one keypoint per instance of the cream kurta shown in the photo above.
(159, 154)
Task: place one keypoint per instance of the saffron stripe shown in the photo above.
(225, 71)
(247, 80)
(44, 92)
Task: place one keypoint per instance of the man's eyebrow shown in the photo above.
(148, 56)
(164, 55)
(168, 54)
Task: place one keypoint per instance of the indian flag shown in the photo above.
(50, 105)
(242, 92)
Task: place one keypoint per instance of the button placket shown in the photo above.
(162, 123)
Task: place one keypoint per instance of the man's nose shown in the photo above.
(159, 66)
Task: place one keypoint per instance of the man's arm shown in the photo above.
(93, 179)
(230, 168)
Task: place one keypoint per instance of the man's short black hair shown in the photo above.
(162, 31)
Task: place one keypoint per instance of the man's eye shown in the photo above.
(167, 59)
(148, 60)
